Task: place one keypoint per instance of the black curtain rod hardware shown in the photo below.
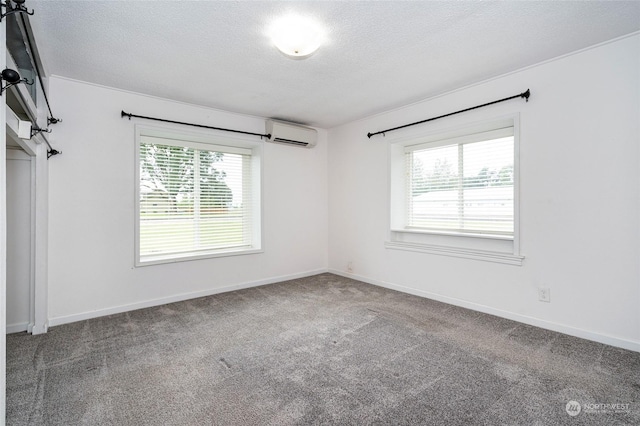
(126, 114)
(50, 151)
(36, 130)
(524, 95)
(50, 120)
(18, 9)
(12, 77)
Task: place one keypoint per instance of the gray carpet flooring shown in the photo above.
(318, 350)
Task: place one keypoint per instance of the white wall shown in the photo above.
(580, 211)
(91, 195)
(18, 240)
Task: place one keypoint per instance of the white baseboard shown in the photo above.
(17, 328)
(175, 298)
(560, 328)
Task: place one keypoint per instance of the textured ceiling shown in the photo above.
(379, 55)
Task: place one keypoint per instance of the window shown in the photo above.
(462, 185)
(456, 192)
(195, 199)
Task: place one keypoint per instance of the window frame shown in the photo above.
(478, 246)
(202, 141)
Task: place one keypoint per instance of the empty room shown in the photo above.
(320, 212)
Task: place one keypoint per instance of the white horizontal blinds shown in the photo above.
(166, 199)
(224, 211)
(192, 200)
(462, 185)
(433, 199)
(489, 182)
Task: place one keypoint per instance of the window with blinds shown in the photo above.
(194, 199)
(463, 185)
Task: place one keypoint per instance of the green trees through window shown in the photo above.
(170, 181)
(193, 200)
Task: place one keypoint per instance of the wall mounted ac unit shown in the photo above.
(291, 134)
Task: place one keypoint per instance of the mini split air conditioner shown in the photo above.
(291, 134)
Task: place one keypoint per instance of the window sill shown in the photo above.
(454, 234)
(173, 258)
(466, 253)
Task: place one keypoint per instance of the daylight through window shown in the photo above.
(194, 199)
(462, 185)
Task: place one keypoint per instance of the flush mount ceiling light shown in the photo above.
(296, 36)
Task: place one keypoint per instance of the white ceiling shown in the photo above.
(379, 55)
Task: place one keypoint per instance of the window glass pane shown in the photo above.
(434, 199)
(462, 187)
(22, 55)
(166, 198)
(488, 186)
(192, 200)
(222, 207)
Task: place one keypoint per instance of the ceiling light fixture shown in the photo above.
(296, 36)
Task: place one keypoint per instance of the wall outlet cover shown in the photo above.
(544, 295)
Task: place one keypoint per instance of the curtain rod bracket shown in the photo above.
(36, 130)
(52, 152)
(524, 95)
(18, 9)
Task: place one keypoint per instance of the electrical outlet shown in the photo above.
(350, 267)
(544, 294)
